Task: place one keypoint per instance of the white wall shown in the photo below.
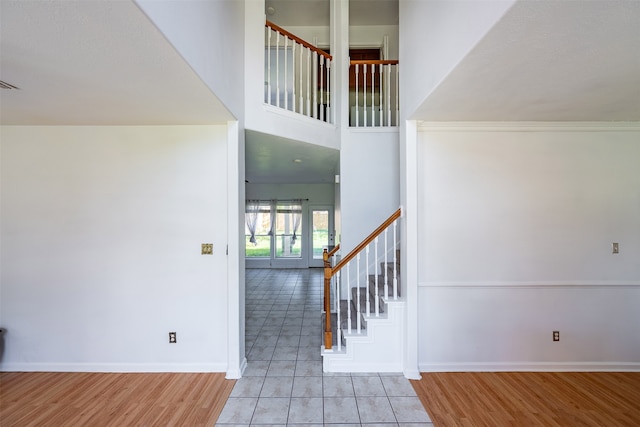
(101, 232)
(369, 183)
(210, 37)
(515, 231)
(434, 36)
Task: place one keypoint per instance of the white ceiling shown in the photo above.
(95, 63)
(548, 61)
(271, 159)
(316, 12)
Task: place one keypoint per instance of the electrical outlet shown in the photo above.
(556, 335)
(207, 249)
(172, 338)
(615, 248)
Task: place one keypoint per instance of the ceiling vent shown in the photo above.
(5, 85)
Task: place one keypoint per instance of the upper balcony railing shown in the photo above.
(297, 74)
(298, 79)
(374, 97)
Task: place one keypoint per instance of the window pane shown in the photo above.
(320, 232)
(289, 231)
(262, 245)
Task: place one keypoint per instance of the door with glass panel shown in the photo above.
(275, 235)
(321, 233)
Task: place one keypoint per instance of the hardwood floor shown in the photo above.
(111, 399)
(531, 399)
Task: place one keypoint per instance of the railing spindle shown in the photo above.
(358, 308)
(368, 304)
(269, 65)
(389, 95)
(364, 93)
(293, 76)
(328, 109)
(315, 91)
(375, 265)
(373, 97)
(357, 105)
(321, 87)
(348, 298)
(395, 261)
(386, 270)
(380, 69)
(309, 82)
(397, 94)
(277, 69)
(286, 82)
(338, 320)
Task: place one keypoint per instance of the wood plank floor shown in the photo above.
(531, 399)
(111, 399)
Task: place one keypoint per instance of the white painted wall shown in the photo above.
(101, 232)
(515, 229)
(369, 183)
(210, 37)
(434, 36)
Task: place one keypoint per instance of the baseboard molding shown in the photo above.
(237, 374)
(114, 367)
(532, 367)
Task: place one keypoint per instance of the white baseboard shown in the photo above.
(532, 367)
(113, 367)
(237, 374)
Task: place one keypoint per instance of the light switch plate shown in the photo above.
(207, 249)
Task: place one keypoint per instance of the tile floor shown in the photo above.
(284, 383)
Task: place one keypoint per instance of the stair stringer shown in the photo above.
(379, 348)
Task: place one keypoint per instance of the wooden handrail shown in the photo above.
(374, 61)
(366, 242)
(298, 39)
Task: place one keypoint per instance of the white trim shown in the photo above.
(528, 126)
(530, 285)
(531, 367)
(298, 116)
(114, 367)
(235, 375)
(374, 129)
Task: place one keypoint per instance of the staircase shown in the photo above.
(366, 325)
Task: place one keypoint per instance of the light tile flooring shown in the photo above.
(284, 383)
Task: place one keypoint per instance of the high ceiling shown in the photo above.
(81, 62)
(548, 61)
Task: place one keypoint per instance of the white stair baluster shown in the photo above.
(301, 103)
(395, 261)
(328, 112)
(364, 93)
(380, 69)
(338, 321)
(375, 264)
(268, 94)
(397, 94)
(357, 105)
(321, 87)
(358, 309)
(386, 270)
(348, 297)
(315, 85)
(277, 69)
(293, 76)
(388, 94)
(309, 73)
(373, 96)
(368, 304)
(286, 82)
